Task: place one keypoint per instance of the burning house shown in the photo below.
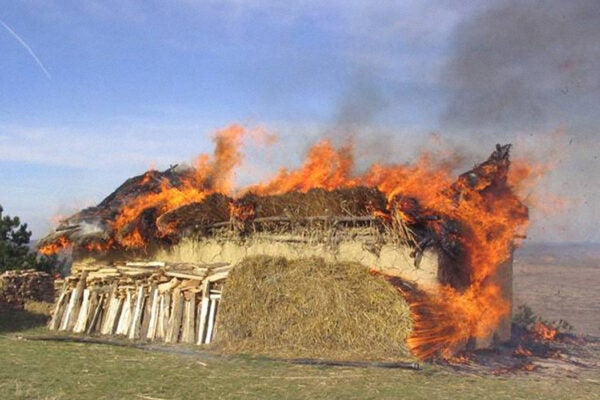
(151, 260)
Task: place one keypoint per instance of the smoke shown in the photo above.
(519, 71)
(526, 64)
(361, 102)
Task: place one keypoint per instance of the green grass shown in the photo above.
(65, 370)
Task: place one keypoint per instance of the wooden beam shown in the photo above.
(97, 301)
(80, 323)
(164, 315)
(189, 333)
(184, 275)
(75, 305)
(211, 321)
(59, 309)
(204, 306)
(136, 320)
(145, 325)
(125, 320)
(174, 326)
(154, 309)
(146, 264)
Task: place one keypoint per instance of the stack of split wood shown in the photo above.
(18, 287)
(143, 300)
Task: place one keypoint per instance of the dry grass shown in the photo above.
(310, 308)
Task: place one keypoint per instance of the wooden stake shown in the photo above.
(189, 333)
(175, 320)
(59, 309)
(136, 320)
(77, 293)
(149, 264)
(154, 309)
(203, 311)
(164, 316)
(96, 317)
(67, 315)
(125, 320)
(146, 313)
(112, 304)
(119, 303)
(211, 321)
(82, 318)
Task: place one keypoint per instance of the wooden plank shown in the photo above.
(93, 303)
(164, 316)
(223, 268)
(59, 309)
(119, 303)
(125, 319)
(108, 311)
(82, 318)
(67, 315)
(215, 297)
(77, 294)
(87, 267)
(190, 284)
(137, 274)
(189, 333)
(169, 286)
(147, 264)
(154, 310)
(184, 321)
(204, 308)
(103, 274)
(136, 320)
(97, 301)
(184, 275)
(217, 276)
(176, 316)
(147, 311)
(211, 321)
(197, 323)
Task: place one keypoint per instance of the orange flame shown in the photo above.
(209, 176)
(544, 331)
(61, 243)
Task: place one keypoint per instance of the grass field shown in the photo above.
(63, 370)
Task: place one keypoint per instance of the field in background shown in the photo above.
(557, 282)
(560, 281)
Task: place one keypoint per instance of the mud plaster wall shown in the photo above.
(390, 259)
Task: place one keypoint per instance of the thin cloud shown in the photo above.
(29, 50)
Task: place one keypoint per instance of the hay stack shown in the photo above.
(310, 308)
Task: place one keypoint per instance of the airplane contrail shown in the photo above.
(26, 46)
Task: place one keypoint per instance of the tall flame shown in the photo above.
(210, 175)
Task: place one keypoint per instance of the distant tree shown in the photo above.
(15, 252)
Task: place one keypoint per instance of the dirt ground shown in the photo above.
(560, 281)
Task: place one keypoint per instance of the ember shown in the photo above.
(543, 331)
(472, 221)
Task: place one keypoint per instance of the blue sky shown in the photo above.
(123, 85)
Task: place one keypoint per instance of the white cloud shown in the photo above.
(104, 148)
